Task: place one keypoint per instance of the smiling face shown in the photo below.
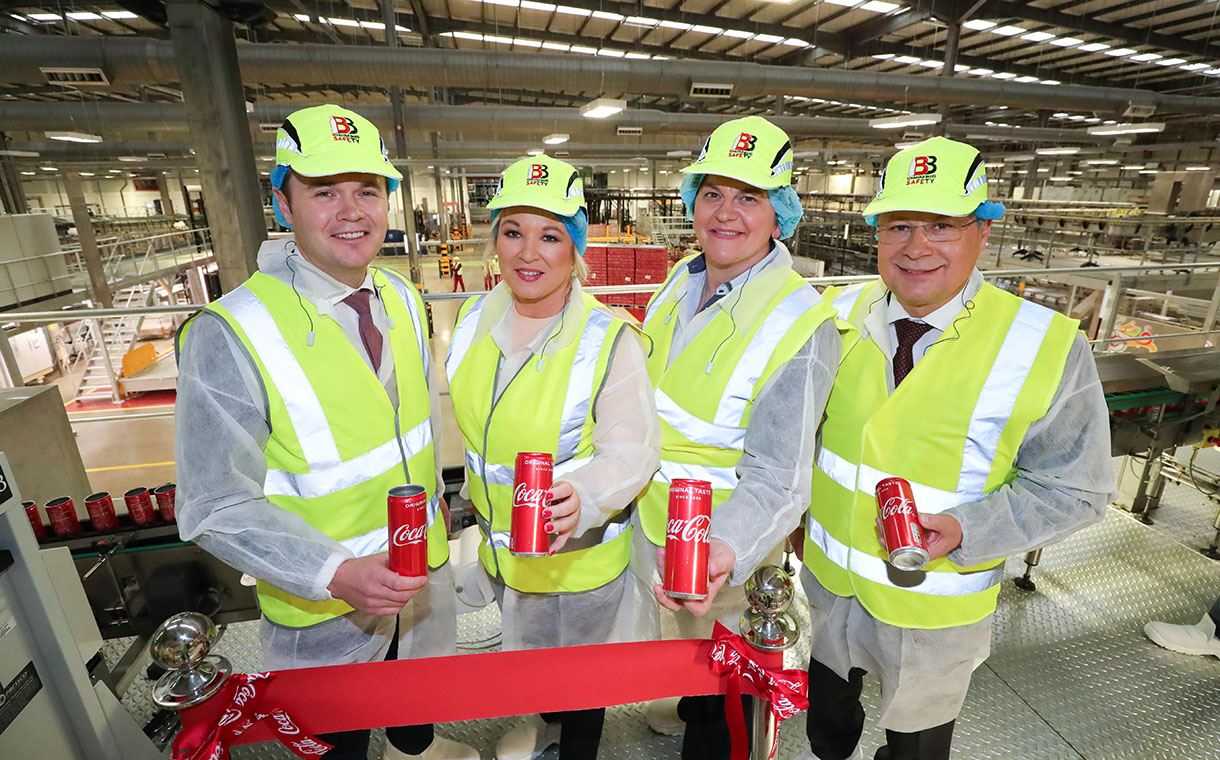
(339, 221)
(923, 275)
(735, 224)
(536, 257)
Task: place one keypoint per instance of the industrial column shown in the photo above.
(167, 202)
(949, 69)
(88, 240)
(12, 196)
(389, 18)
(216, 109)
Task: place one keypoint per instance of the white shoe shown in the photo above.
(662, 717)
(528, 739)
(440, 749)
(1199, 638)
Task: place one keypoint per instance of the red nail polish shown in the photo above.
(546, 513)
(549, 528)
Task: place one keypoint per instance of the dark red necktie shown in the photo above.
(909, 332)
(368, 331)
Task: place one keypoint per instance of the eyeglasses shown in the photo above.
(935, 232)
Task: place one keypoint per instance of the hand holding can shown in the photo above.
(904, 538)
(686, 539)
(408, 522)
(532, 475)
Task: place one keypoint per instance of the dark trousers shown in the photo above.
(580, 732)
(354, 745)
(835, 722)
(707, 728)
(1214, 612)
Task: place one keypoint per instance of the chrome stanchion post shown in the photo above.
(768, 627)
(182, 646)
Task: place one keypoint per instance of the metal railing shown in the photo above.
(129, 257)
(1108, 279)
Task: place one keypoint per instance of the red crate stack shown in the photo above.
(651, 267)
(595, 257)
(620, 270)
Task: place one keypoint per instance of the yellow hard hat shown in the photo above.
(751, 150)
(325, 140)
(541, 182)
(938, 176)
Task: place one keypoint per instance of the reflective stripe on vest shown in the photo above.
(502, 474)
(499, 539)
(877, 570)
(663, 293)
(327, 472)
(584, 370)
(408, 299)
(463, 337)
(726, 431)
(846, 301)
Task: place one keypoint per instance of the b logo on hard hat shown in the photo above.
(344, 129)
(922, 171)
(744, 147)
(539, 175)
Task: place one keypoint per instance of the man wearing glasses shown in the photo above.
(990, 406)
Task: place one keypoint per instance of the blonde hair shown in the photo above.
(580, 267)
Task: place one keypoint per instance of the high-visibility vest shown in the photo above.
(337, 445)
(952, 428)
(705, 396)
(546, 407)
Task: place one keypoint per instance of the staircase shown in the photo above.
(104, 360)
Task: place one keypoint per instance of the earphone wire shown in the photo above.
(292, 283)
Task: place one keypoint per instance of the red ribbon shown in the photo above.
(734, 657)
(245, 692)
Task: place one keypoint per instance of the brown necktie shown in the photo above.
(368, 331)
(909, 332)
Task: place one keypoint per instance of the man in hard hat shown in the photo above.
(990, 407)
(304, 395)
(743, 355)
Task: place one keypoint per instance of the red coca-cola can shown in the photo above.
(532, 475)
(62, 514)
(686, 539)
(166, 497)
(140, 506)
(900, 521)
(35, 517)
(408, 522)
(101, 511)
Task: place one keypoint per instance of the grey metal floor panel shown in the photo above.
(1071, 674)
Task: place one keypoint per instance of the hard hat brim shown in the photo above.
(558, 207)
(927, 201)
(339, 162)
(733, 170)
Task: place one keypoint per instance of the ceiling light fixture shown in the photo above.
(1140, 128)
(76, 137)
(1065, 151)
(556, 139)
(905, 120)
(602, 108)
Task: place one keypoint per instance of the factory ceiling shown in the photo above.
(1009, 74)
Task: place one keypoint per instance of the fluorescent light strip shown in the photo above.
(979, 25)
(1094, 47)
(1038, 36)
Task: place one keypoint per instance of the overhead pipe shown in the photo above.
(137, 61)
(95, 117)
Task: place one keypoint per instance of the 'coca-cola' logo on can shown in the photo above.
(524, 496)
(230, 716)
(408, 535)
(696, 528)
(897, 505)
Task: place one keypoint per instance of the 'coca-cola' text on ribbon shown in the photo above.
(245, 691)
(787, 690)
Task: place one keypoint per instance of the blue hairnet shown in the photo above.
(785, 201)
(280, 173)
(986, 210)
(577, 226)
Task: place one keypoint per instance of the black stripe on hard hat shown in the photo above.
(787, 146)
(291, 131)
(978, 159)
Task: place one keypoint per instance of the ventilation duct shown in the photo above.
(68, 76)
(710, 90)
